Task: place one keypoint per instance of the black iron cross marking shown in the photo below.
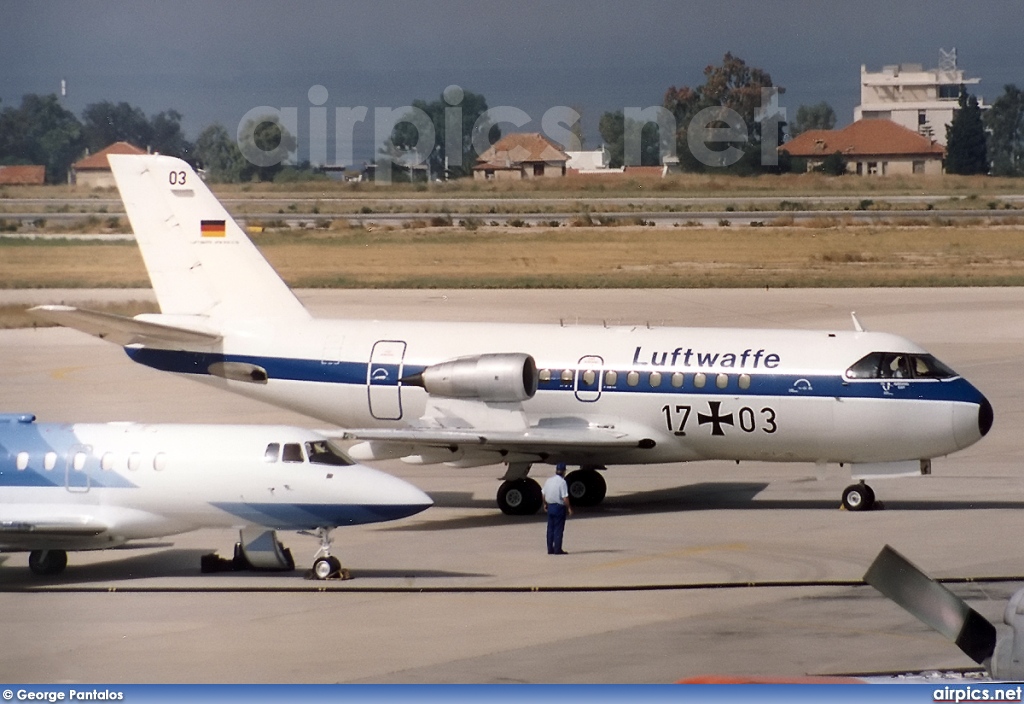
(715, 419)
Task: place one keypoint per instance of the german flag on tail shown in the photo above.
(212, 228)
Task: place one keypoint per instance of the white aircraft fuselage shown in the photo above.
(474, 394)
(89, 486)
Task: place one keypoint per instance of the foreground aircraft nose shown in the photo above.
(972, 421)
(382, 496)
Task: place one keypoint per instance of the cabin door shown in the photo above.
(382, 374)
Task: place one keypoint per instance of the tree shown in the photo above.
(833, 165)
(613, 127)
(813, 117)
(265, 144)
(1005, 121)
(218, 154)
(41, 131)
(733, 85)
(105, 123)
(966, 152)
(471, 105)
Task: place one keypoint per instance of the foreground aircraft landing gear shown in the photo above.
(586, 487)
(326, 565)
(47, 562)
(520, 497)
(858, 497)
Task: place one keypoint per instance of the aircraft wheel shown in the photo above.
(520, 497)
(47, 562)
(858, 497)
(326, 567)
(586, 487)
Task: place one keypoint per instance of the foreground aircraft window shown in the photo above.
(722, 380)
(654, 379)
(272, 452)
(677, 380)
(866, 367)
(567, 376)
(22, 462)
(589, 377)
(49, 461)
(321, 452)
(699, 380)
(292, 452)
(611, 378)
(79, 461)
(927, 367)
(160, 462)
(633, 378)
(895, 366)
(744, 381)
(544, 375)
(134, 461)
(107, 461)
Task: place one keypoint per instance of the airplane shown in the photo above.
(91, 486)
(477, 394)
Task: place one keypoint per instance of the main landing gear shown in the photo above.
(47, 563)
(858, 497)
(519, 495)
(326, 565)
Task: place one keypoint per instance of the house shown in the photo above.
(519, 156)
(923, 101)
(94, 170)
(870, 147)
(22, 175)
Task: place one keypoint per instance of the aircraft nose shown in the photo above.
(972, 421)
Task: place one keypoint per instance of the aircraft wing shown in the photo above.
(492, 446)
(120, 329)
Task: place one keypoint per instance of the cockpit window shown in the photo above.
(292, 452)
(899, 365)
(321, 452)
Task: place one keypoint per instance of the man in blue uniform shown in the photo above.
(556, 503)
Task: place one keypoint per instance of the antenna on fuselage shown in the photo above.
(856, 323)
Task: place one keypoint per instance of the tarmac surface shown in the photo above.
(683, 570)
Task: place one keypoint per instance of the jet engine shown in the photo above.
(488, 377)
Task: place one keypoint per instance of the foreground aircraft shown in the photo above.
(90, 486)
(475, 394)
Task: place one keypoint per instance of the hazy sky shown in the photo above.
(214, 60)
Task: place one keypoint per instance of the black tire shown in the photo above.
(46, 563)
(586, 487)
(858, 497)
(326, 567)
(519, 497)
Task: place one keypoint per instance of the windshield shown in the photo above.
(899, 365)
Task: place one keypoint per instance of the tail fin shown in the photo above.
(199, 260)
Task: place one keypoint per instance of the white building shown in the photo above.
(920, 100)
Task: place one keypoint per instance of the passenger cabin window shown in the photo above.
(49, 461)
(107, 461)
(899, 365)
(292, 452)
(134, 461)
(272, 452)
(321, 452)
(22, 461)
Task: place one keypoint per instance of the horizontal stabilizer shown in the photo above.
(122, 330)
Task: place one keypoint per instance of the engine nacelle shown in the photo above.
(487, 377)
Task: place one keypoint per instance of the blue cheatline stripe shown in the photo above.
(308, 516)
(761, 384)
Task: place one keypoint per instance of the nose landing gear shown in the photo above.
(326, 565)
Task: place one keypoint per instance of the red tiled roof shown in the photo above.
(520, 148)
(22, 175)
(98, 161)
(863, 138)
